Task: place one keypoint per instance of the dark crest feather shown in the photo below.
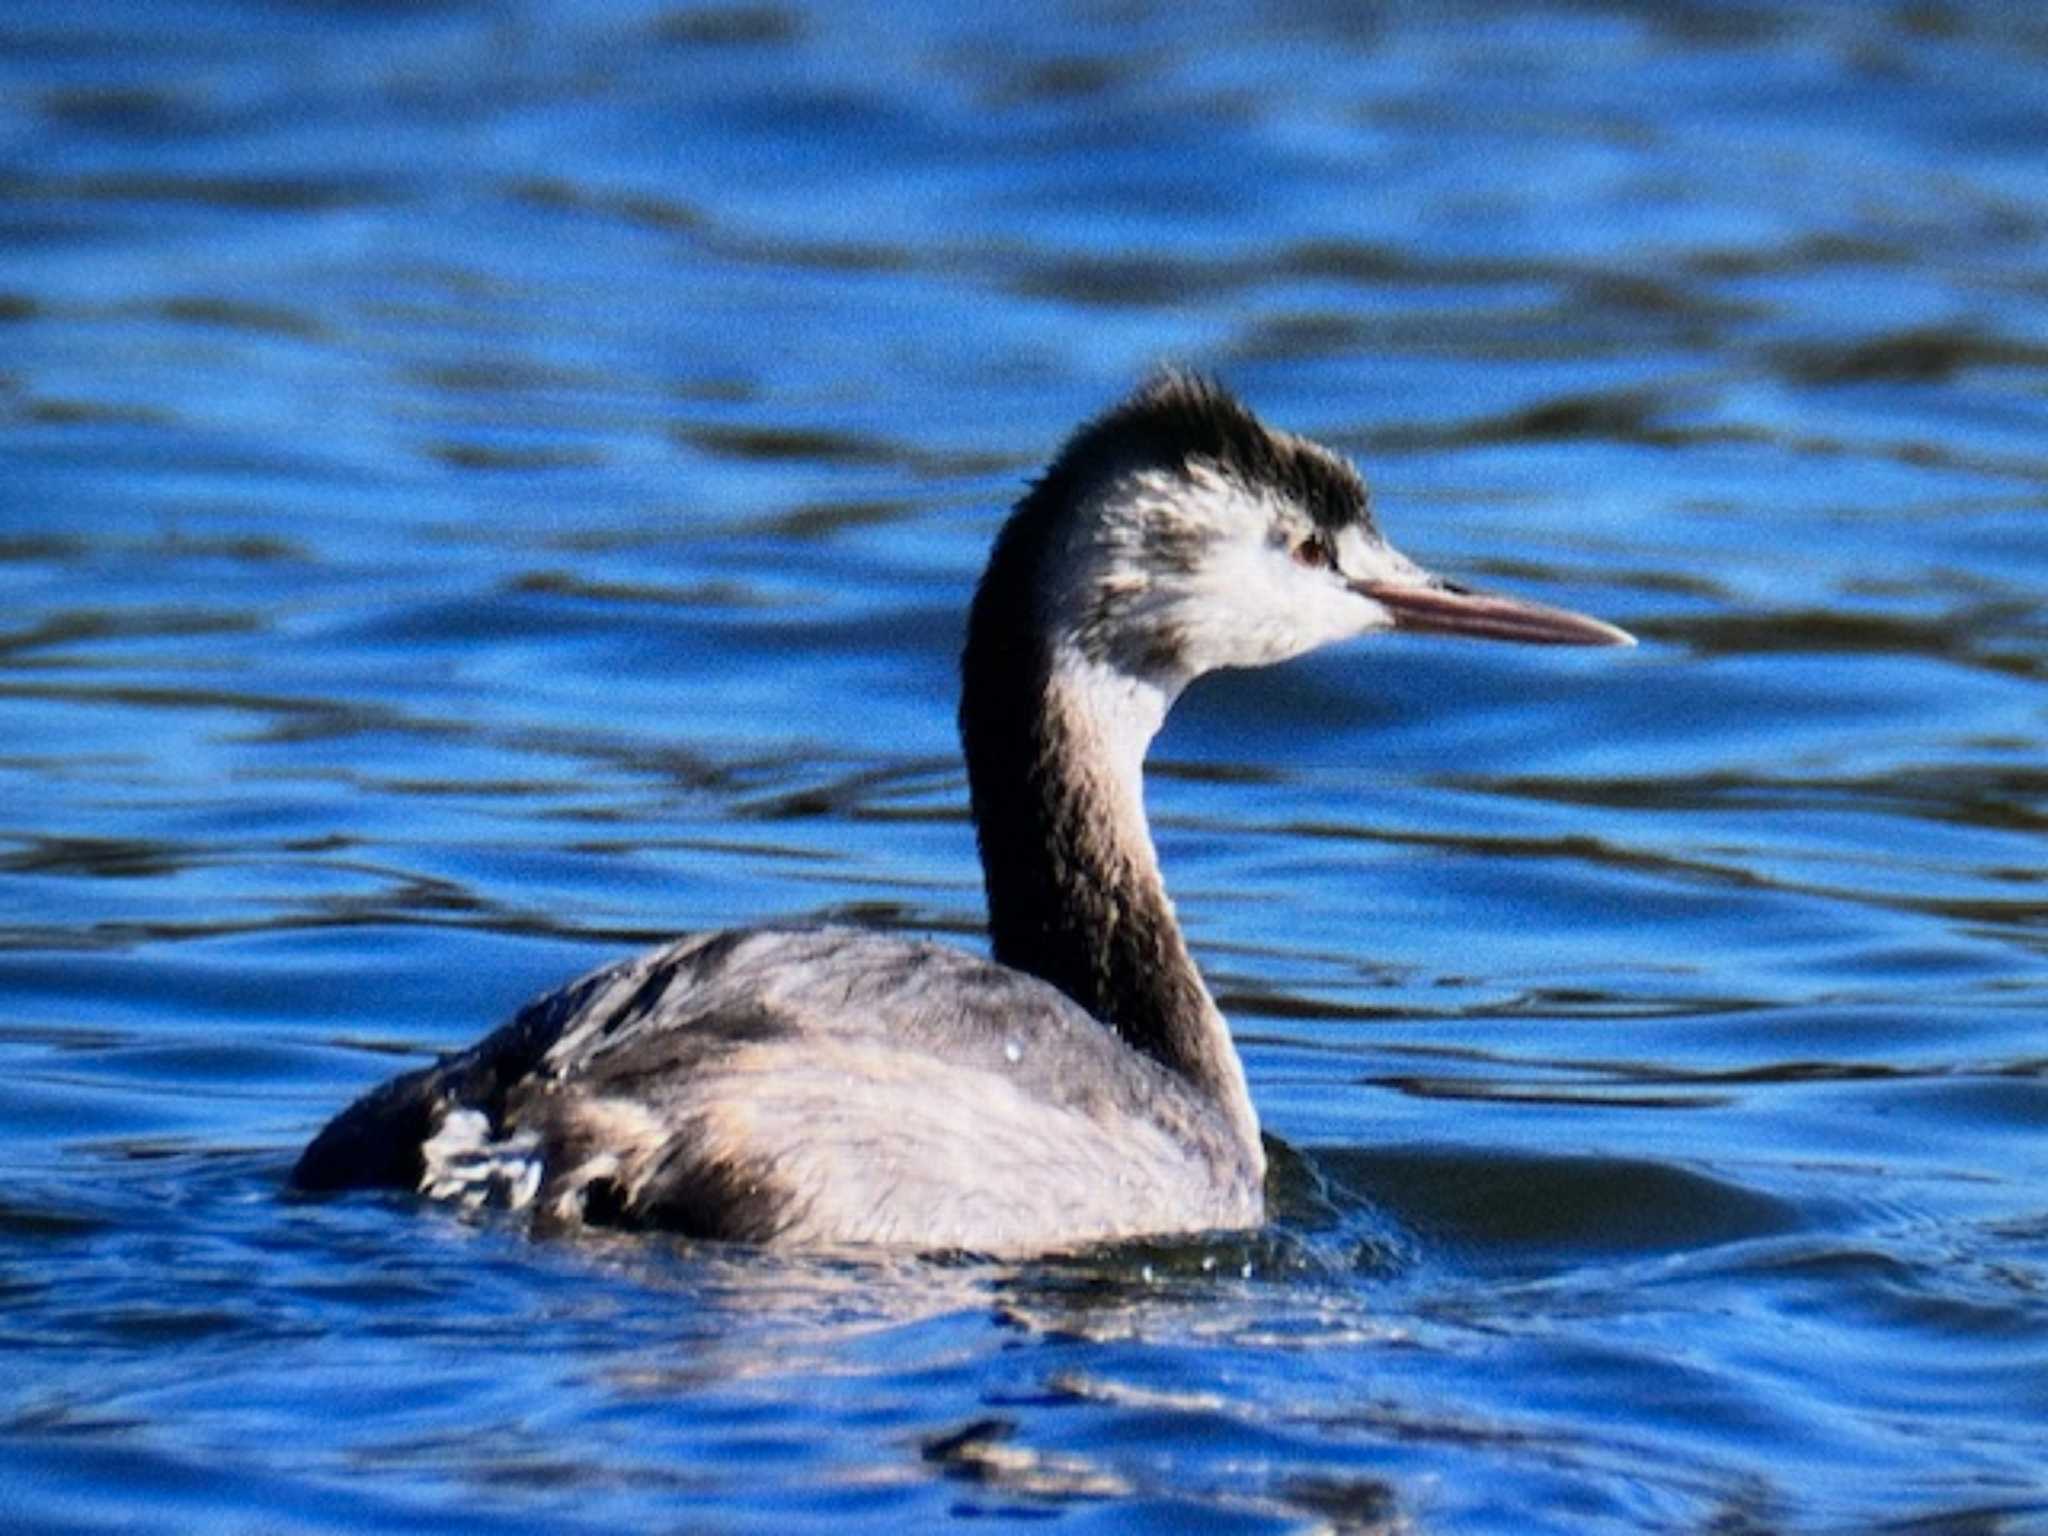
(1176, 418)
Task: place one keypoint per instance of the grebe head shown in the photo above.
(1186, 536)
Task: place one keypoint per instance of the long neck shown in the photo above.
(1054, 747)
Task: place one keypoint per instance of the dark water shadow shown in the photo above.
(1497, 1210)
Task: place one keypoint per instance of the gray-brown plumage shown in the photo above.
(827, 1086)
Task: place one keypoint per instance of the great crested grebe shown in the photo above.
(827, 1086)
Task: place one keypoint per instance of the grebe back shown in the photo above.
(826, 1086)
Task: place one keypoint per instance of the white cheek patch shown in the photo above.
(1256, 604)
(1171, 575)
(1250, 603)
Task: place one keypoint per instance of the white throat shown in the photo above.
(1122, 712)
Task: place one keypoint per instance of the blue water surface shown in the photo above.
(484, 487)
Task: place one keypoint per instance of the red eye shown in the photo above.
(1314, 553)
